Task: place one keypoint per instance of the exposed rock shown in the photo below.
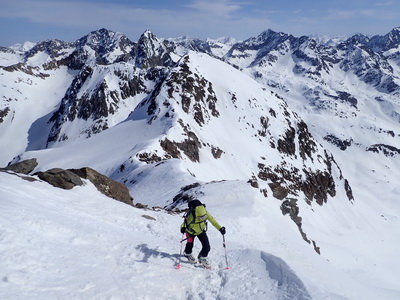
(253, 182)
(289, 206)
(216, 152)
(344, 96)
(184, 195)
(387, 150)
(3, 114)
(60, 178)
(318, 186)
(349, 191)
(67, 179)
(307, 145)
(141, 206)
(287, 143)
(196, 93)
(342, 144)
(105, 185)
(190, 147)
(148, 217)
(148, 158)
(24, 167)
(278, 191)
(170, 148)
(151, 52)
(27, 178)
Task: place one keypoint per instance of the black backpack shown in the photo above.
(192, 204)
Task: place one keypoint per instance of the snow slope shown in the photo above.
(33, 98)
(79, 244)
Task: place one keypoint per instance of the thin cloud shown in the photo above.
(349, 14)
(217, 8)
(388, 3)
(196, 18)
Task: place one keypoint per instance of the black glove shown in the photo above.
(222, 230)
(183, 230)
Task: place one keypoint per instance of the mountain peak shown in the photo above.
(389, 41)
(100, 37)
(151, 52)
(147, 33)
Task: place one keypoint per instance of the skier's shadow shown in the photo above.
(149, 253)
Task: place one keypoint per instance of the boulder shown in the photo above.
(60, 178)
(105, 185)
(23, 167)
(67, 179)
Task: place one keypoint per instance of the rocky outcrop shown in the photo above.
(60, 178)
(24, 167)
(341, 144)
(196, 93)
(3, 114)
(68, 179)
(105, 185)
(289, 206)
(387, 150)
(151, 52)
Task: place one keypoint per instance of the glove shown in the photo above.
(183, 230)
(222, 230)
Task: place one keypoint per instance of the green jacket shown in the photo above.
(197, 226)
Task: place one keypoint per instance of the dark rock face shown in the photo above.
(105, 185)
(151, 52)
(289, 206)
(170, 148)
(196, 93)
(67, 179)
(342, 144)
(60, 178)
(387, 150)
(318, 186)
(3, 114)
(190, 147)
(24, 167)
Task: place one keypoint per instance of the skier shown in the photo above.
(195, 225)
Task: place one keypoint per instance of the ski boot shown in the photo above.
(204, 262)
(190, 257)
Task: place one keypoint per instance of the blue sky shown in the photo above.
(68, 20)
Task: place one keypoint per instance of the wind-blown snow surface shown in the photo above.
(79, 244)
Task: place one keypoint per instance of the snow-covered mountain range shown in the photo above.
(305, 127)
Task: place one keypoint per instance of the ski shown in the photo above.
(196, 266)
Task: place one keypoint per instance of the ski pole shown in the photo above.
(178, 266)
(184, 239)
(226, 253)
